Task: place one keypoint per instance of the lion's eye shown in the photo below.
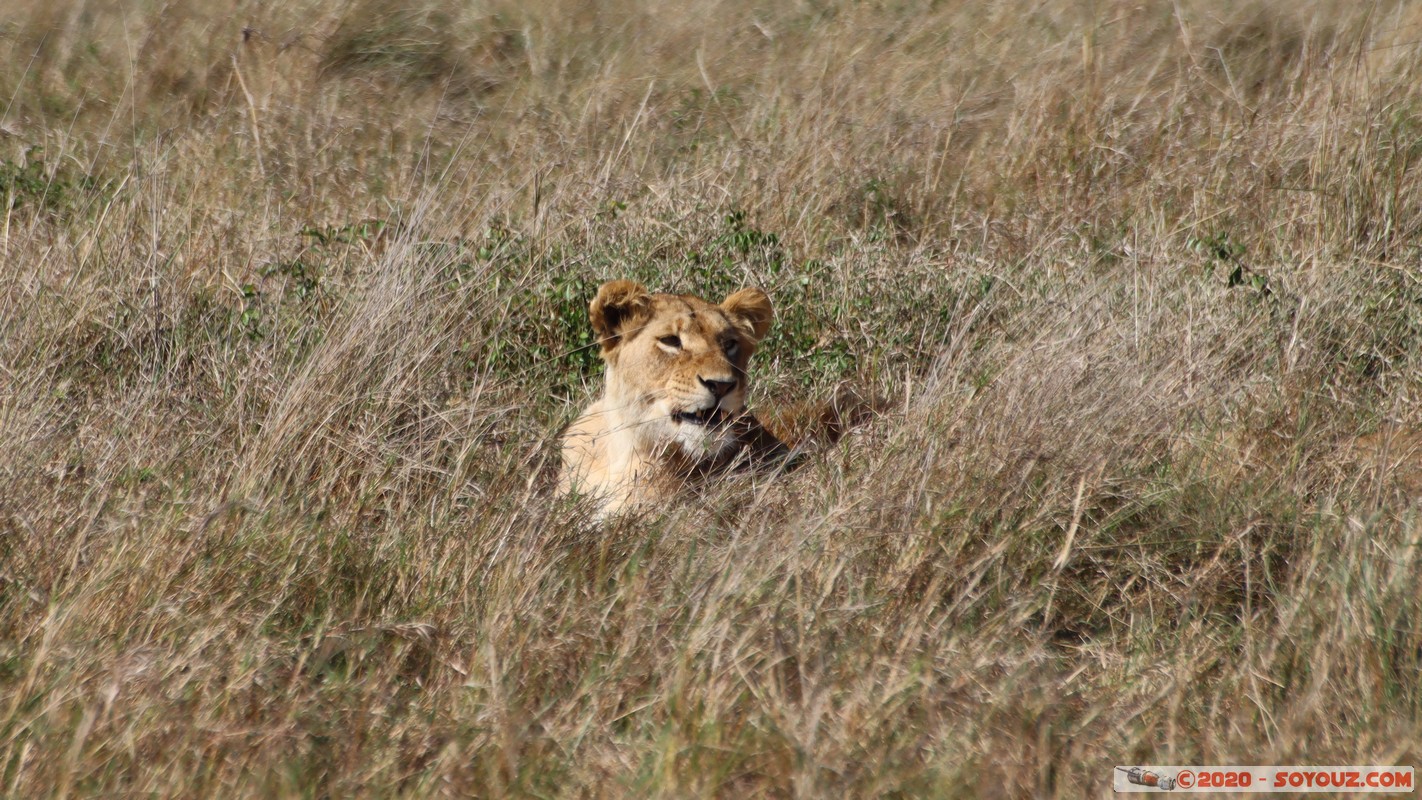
(731, 346)
(674, 342)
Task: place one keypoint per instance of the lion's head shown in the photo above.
(676, 364)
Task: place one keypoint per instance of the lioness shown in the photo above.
(673, 407)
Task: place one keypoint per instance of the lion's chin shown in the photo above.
(701, 442)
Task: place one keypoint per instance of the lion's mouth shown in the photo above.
(707, 416)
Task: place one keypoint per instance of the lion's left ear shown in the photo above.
(750, 310)
(618, 306)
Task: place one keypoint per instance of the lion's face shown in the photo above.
(676, 364)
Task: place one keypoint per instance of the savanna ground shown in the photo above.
(293, 308)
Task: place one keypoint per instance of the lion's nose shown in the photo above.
(719, 389)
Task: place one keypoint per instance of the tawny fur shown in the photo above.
(667, 356)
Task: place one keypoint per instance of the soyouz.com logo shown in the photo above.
(1262, 779)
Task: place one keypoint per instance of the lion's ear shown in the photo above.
(751, 311)
(618, 305)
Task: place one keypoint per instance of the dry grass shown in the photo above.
(294, 308)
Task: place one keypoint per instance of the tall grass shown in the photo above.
(293, 310)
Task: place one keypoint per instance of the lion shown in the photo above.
(673, 407)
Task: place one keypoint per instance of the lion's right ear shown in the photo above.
(750, 309)
(618, 306)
